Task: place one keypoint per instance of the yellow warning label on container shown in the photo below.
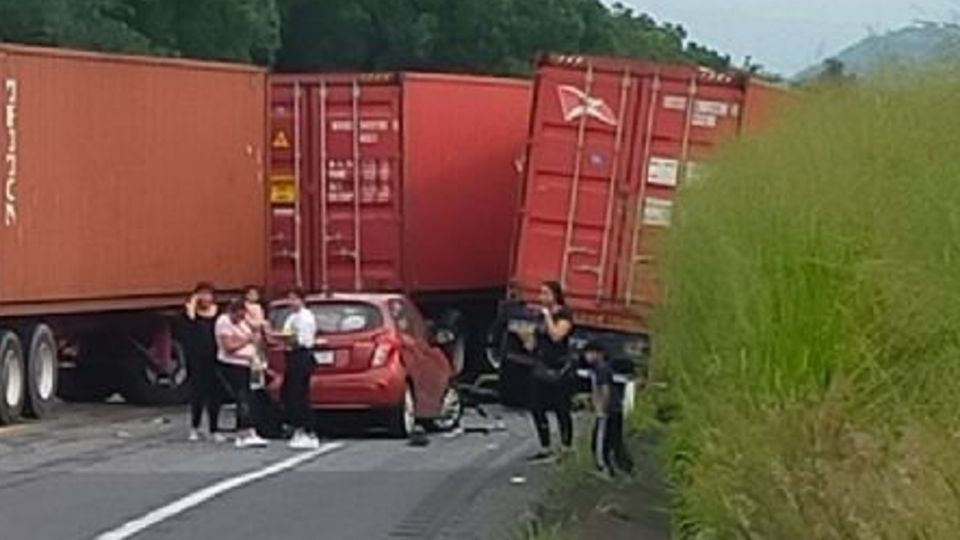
(283, 190)
(280, 141)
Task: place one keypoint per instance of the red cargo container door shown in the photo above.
(577, 171)
(611, 142)
(687, 113)
(336, 173)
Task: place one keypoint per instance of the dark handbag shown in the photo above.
(553, 375)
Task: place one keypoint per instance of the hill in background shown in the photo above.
(920, 43)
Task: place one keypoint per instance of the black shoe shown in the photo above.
(541, 456)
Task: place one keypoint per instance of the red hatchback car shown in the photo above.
(376, 353)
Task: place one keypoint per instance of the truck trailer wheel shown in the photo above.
(42, 371)
(456, 350)
(142, 384)
(84, 385)
(12, 375)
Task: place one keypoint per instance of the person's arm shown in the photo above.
(601, 399)
(232, 342)
(190, 308)
(557, 329)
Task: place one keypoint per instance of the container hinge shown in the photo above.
(588, 269)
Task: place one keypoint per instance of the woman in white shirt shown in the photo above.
(300, 331)
(237, 355)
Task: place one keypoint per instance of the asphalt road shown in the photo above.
(112, 472)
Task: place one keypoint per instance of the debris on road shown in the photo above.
(418, 438)
(459, 432)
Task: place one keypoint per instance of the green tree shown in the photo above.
(237, 30)
(833, 73)
(95, 24)
(489, 36)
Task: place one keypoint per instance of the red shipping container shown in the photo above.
(126, 179)
(399, 182)
(611, 140)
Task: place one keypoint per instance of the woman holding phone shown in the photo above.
(199, 317)
(551, 384)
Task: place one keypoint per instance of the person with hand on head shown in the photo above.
(609, 448)
(553, 374)
(237, 353)
(200, 343)
(300, 333)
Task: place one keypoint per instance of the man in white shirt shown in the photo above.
(300, 329)
(237, 354)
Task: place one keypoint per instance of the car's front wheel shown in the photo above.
(451, 411)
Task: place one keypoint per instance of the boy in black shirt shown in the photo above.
(609, 448)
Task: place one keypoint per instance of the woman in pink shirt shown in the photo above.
(237, 354)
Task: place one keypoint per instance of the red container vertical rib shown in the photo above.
(611, 140)
(133, 179)
(433, 160)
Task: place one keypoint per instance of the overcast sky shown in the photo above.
(788, 35)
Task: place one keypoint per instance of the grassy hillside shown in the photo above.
(811, 332)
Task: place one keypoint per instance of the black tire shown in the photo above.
(457, 351)
(451, 412)
(12, 378)
(402, 417)
(84, 385)
(493, 345)
(142, 385)
(514, 385)
(42, 371)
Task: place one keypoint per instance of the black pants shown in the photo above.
(551, 397)
(205, 394)
(609, 448)
(296, 389)
(236, 379)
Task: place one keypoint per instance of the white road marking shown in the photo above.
(197, 498)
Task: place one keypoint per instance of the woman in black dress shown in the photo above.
(200, 315)
(551, 386)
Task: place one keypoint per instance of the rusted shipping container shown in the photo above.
(400, 182)
(611, 140)
(127, 179)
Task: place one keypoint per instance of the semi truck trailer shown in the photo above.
(125, 181)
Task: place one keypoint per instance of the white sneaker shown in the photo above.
(257, 441)
(194, 436)
(302, 441)
(251, 441)
(219, 438)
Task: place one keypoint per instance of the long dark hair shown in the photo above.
(557, 290)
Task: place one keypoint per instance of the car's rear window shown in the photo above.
(336, 317)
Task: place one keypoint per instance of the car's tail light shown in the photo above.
(386, 349)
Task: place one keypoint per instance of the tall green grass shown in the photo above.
(810, 333)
